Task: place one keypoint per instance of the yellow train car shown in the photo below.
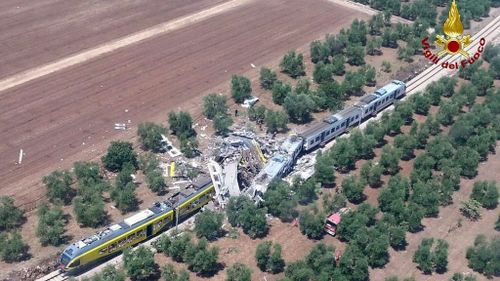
(137, 228)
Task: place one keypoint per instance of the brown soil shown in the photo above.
(242, 250)
(445, 227)
(38, 32)
(66, 116)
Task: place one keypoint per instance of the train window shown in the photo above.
(343, 124)
(131, 237)
(76, 263)
(103, 250)
(311, 142)
(317, 138)
(122, 242)
(65, 259)
(357, 116)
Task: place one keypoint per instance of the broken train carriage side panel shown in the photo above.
(277, 166)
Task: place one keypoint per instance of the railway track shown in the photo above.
(489, 32)
(54, 276)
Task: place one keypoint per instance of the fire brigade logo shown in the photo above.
(453, 42)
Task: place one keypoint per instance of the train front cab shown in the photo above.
(130, 238)
(64, 263)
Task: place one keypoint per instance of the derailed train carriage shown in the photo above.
(138, 228)
(323, 132)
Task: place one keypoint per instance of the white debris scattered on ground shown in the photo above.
(169, 147)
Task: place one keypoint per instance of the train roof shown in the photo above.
(319, 126)
(367, 99)
(291, 144)
(134, 221)
(389, 88)
(346, 112)
(271, 170)
(274, 166)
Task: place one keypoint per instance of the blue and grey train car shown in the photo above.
(318, 133)
(323, 132)
(331, 127)
(373, 103)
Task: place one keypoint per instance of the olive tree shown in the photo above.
(299, 107)
(352, 188)
(389, 159)
(483, 256)
(485, 193)
(423, 255)
(58, 185)
(276, 120)
(150, 136)
(208, 224)
(311, 223)
(267, 78)
(10, 215)
(12, 247)
(324, 169)
(242, 212)
(241, 88)
(214, 104)
(140, 264)
(293, 64)
(50, 227)
(239, 272)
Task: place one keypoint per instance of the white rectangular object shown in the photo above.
(115, 227)
(138, 217)
(20, 156)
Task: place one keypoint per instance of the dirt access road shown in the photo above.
(69, 115)
(35, 33)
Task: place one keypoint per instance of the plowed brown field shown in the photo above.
(69, 115)
(37, 32)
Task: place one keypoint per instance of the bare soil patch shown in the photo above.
(37, 32)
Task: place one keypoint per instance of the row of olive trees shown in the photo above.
(12, 246)
(198, 256)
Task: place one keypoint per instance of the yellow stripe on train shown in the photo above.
(139, 233)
